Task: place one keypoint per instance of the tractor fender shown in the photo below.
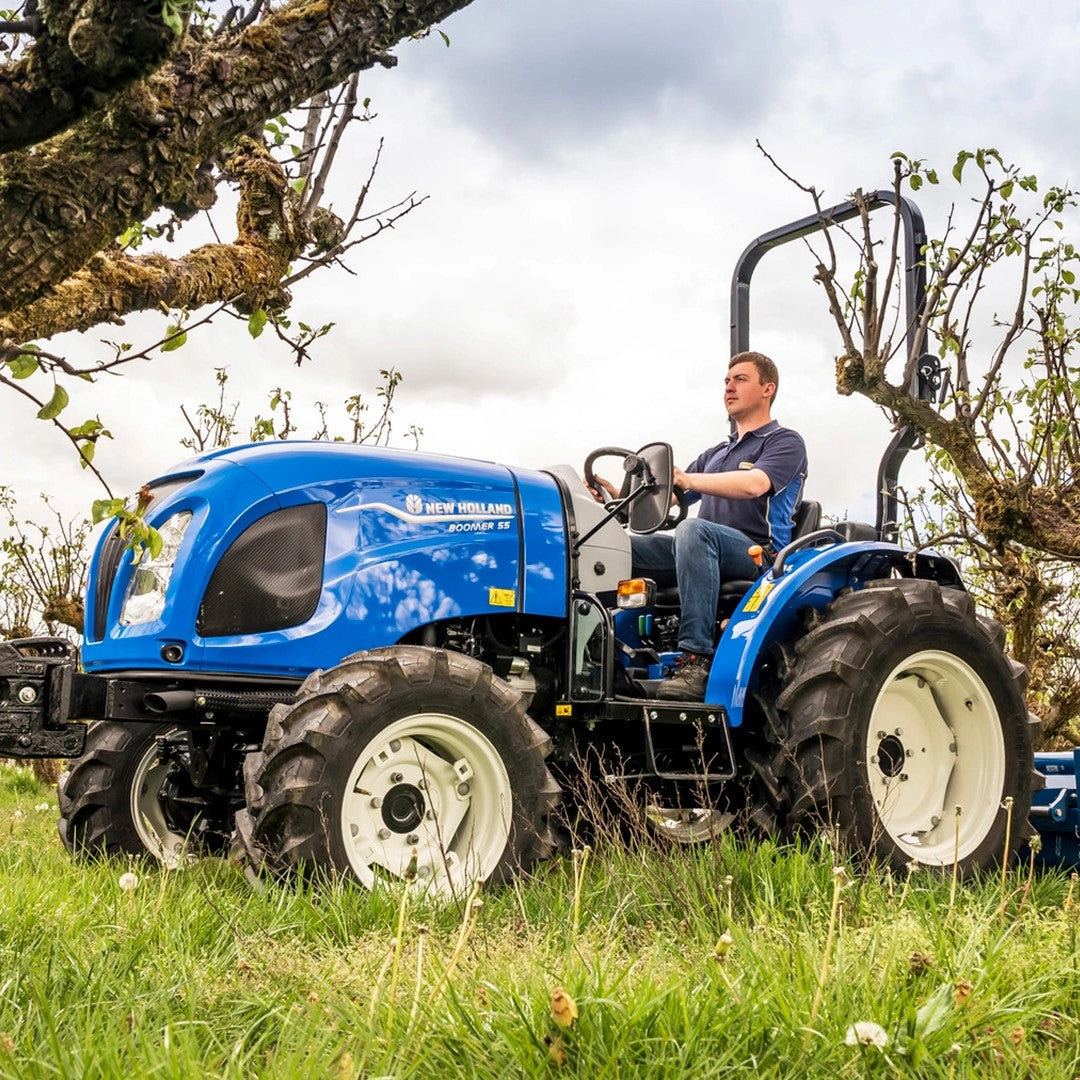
(772, 610)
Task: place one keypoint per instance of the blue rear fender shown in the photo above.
(772, 611)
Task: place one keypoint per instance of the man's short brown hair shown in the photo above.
(766, 369)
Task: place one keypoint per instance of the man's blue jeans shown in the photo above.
(697, 556)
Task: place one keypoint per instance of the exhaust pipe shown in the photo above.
(170, 701)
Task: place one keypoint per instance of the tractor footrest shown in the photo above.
(682, 741)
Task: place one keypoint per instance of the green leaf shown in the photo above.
(931, 175)
(256, 322)
(105, 508)
(915, 180)
(298, 185)
(154, 542)
(1068, 277)
(175, 337)
(22, 367)
(55, 405)
(446, 40)
(86, 451)
(934, 1013)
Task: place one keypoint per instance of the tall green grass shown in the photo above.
(683, 962)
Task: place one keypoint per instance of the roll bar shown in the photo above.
(926, 376)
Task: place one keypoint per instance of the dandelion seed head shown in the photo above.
(866, 1033)
(128, 882)
(1035, 843)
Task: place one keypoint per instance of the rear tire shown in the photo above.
(403, 763)
(895, 708)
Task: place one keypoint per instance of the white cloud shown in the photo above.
(592, 178)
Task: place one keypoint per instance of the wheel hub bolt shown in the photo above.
(903, 776)
(396, 778)
(898, 732)
(882, 734)
(429, 815)
(934, 821)
(384, 834)
(422, 785)
(395, 745)
(412, 838)
(463, 789)
(376, 802)
(909, 753)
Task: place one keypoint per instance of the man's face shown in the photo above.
(744, 392)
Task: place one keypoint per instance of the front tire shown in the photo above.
(109, 796)
(901, 728)
(403, 763)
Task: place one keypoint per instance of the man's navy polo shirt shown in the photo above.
(781, 454)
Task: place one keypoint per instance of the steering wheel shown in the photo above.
(638, 469)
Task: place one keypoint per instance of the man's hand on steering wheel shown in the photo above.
(600, 483)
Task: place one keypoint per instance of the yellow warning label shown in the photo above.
(564, 710)
(502, 597)
(758, 598)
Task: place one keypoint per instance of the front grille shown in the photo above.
(270, 577)
(112, 551)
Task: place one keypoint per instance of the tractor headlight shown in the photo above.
(144, 599)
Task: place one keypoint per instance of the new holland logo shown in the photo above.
(458, 515)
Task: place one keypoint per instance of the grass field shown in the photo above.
(716, 960)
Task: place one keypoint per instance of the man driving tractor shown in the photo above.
(748, 486)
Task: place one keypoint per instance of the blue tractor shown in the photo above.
(390, 664)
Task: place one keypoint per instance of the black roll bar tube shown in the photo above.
(925, 377)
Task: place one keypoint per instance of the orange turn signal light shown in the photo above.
(636, 592)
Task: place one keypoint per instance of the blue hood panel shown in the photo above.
(411, 538)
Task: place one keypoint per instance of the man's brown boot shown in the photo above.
(689, 681)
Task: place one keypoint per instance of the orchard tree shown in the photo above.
(120, 120)
(1003, 435)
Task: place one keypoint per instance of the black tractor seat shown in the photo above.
(807, 520)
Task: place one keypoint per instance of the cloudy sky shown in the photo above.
(592, 177)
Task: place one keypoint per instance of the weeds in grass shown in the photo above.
(687, 961)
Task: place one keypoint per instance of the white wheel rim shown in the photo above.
(146, 813)
(688, 826)
(429, 788)
(934, 744)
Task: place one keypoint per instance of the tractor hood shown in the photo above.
(284, 557)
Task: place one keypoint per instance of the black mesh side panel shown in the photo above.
(271, 576)
(111, 554)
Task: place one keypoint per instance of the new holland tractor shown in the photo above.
(389, 665)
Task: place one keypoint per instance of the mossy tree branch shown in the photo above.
(65, 201)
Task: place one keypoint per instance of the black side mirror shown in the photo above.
(650, 469)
